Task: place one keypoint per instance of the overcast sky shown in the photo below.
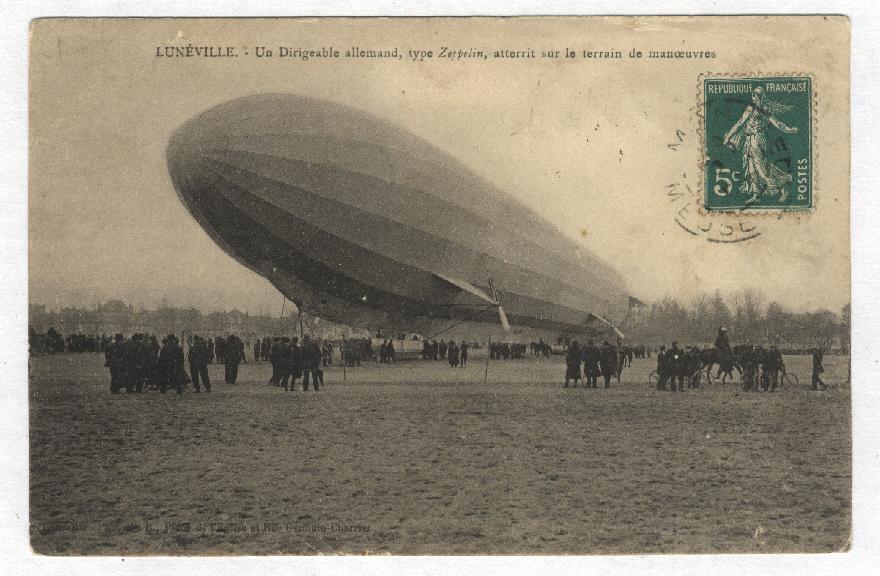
(584, 143)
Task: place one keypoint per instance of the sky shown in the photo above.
(593, 146)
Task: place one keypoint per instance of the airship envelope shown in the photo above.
(363, 223)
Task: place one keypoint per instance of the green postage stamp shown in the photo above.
(758, 144)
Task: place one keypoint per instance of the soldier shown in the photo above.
(572, 364)
(662, 369)
(464, 354)
(592, 367)
(608, 362)
(114, 361)
(818, 368)
(171, 372)
(232, 356)
(198, 364)
(311, 362)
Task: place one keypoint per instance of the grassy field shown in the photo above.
(417, 458)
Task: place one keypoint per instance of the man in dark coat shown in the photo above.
(257, 345)
(677, 366)
(608, 362)
(452, 353)
(311, 363)
(773, 366)
(592, 367)
(293, 361)
(232, 354)
(818, 368)
(171, 368)
(663, 369)
(198, 364)
(113, 359)
(573, 364)
(210, 350)
(220, 349)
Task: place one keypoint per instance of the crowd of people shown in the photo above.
(140, 362)
(291, 360)
(759, 367)
(606, 361)
(455, 354)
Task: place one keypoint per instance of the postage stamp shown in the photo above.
(758, 144)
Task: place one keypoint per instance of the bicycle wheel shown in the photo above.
(789, 381)
(653, 378)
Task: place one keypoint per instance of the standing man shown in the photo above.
(114, 361)
(171, 372)
(592, 366)
(311, 362)
(818, 368)
(198, 364)
(452, 354)
(232, 356)
(573, 364)
(464, 354)
(676, 364)
(662, 369)
(773, 366)
(608, 362)
(257, 350)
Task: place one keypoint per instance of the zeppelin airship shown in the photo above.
(363, 223)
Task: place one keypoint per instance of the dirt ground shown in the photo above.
(417, 458)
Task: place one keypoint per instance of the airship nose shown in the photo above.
(188, 165)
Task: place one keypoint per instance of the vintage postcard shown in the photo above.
(535, 285)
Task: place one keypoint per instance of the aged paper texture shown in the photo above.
(568, 285)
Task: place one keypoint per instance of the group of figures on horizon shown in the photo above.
(457, 355)
(759, 367)
(140, 363)
(291, 360)
(606, 361)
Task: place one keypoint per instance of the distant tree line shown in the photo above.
(747, 317)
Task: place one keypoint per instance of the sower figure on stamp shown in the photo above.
(760, 174)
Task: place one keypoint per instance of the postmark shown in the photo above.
(757, 144)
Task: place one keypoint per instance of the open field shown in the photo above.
(417, 458)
